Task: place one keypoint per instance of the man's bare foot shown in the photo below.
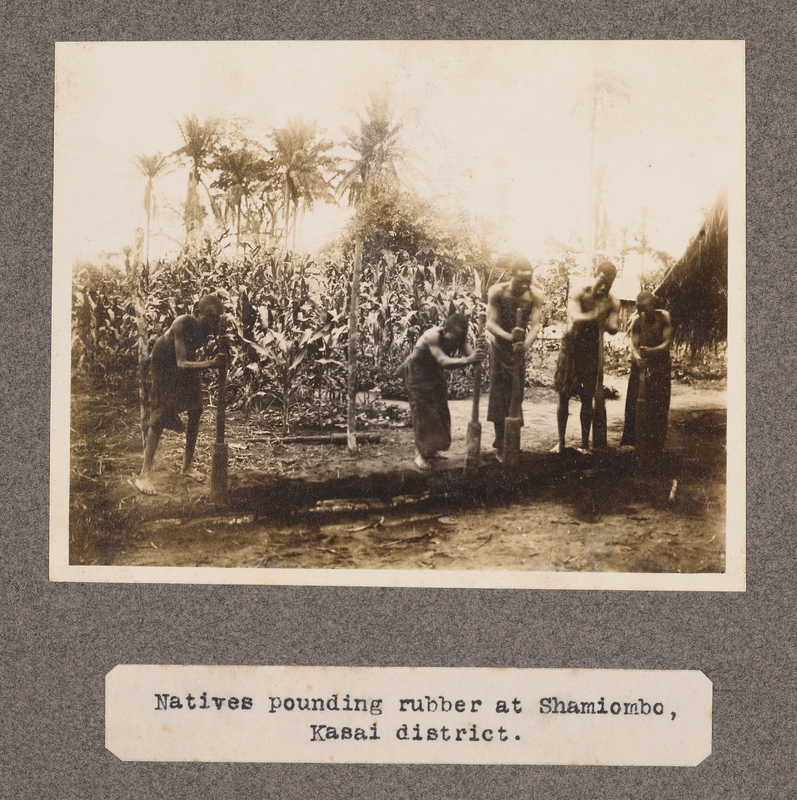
(583, 450)
(438, 457)
(194, 474)
(421, 463)
(499, 456)
(145, 486)
(557, 448)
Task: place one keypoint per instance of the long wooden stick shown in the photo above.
(321, 438)
(599, 405)
(219, 493)
(474, 437)
(513, 422)
(351, 415)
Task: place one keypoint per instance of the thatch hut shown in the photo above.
(695, 289)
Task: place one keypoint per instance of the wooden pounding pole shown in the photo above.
(513, 422)
(474, 437)
(219, 493)
(642, 432)
(599, 405)
(351, 415)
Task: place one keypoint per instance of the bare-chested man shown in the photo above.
(650, 330)
(503, 301)
(427, 390)
(577, 366)
(176, 383)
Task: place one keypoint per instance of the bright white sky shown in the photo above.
(490, 128)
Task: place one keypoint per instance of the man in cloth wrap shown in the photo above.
(176, 384)
(427, 389)
(588, 310)
(650, 330)
(503, 301)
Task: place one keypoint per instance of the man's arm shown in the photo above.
(493, 325)
(633, 332)
(448, 362)
(666, 335)
(612, 324)
(180, 350)
(535, 318)
(574, 313)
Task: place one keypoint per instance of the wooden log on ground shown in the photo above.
(324, 438)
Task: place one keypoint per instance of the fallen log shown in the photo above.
(325, 438)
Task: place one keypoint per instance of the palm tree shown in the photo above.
(596, 99)
(241, 169)
(305, 168)
(377, 148)
(200, 142)
(150, 167)
(373, 171)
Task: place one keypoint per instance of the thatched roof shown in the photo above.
(695, 289)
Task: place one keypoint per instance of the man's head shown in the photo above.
(209, 309)
(521, 273)
(455, 330)
(645, 302)
(604, 278)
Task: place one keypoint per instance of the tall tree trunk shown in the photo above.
(148, 211)
(593, 211)
(238, 228)
(351, 415)
(286, 202)
(143, 350)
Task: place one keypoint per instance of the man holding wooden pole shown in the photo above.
(504, 301)
(579, 369)
(427, 389)
(175, 383)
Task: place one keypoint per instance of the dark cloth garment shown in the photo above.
(631, 396)
(502, 358)
(427, 391)
(506, 307)
(502, 366)
(647, 403)
(577, 364)
(174, 389)
(653, 405)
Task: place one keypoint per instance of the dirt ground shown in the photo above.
(314, 506)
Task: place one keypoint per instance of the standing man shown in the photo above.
(649, 384)
(176, 384)
(503, 302)
(588, 310)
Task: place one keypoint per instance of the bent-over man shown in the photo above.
(427, 388)
(577, 366)
(503, 302)
(176, 384)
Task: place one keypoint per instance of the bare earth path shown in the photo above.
(584, 520)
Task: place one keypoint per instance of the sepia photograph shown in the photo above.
(400, 313)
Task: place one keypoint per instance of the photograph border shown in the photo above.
(733, 579)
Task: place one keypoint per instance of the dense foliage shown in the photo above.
(286, 323)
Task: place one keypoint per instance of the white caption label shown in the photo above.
(408, 715)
